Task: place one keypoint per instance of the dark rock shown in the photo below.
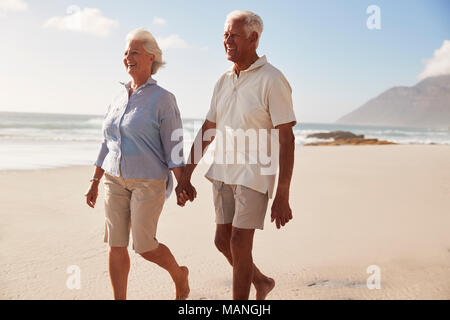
(337, 135)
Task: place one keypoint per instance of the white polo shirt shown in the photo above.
(259, 99)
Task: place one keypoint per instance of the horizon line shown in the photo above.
(101, 115)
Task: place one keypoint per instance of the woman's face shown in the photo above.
(137, 61)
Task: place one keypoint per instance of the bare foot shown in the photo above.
(182, 284)
(263, 288)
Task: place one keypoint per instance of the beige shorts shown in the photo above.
(133, 203)
(245, 208)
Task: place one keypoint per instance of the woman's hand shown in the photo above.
(91, 194)
(185, 191)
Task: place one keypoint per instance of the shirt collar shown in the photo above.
(150, 81)
(257, 64)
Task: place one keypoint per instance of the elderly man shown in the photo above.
(253, 95)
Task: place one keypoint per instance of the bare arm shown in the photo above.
(197, 151)
(195, 157)
(98, 173)
(287, 148)
(281, 211)
(92, 193)
(178, 172)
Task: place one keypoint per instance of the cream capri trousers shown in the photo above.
(136, 204)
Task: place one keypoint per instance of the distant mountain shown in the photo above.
(427, 104)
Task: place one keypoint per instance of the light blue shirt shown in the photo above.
(137, 133)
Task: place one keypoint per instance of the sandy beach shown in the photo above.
(353, 207)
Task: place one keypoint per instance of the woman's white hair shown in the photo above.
(253, 22)
(150, 45)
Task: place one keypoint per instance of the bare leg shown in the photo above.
(241, 252)
(164, 258)
(262, 283)
(119, 267)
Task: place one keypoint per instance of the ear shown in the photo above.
(254, 37)
(152, 58)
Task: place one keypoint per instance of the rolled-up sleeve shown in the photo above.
(171, 132)
(103, 148)
(101, 154)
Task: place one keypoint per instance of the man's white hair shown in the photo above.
(253, 22)
(150, 45)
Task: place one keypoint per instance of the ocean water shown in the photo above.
(38, 140)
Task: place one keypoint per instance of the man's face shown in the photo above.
(237, 45)
(137, 61)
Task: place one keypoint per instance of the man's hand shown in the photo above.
(281, 211)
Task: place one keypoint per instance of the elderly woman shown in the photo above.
(136, 157)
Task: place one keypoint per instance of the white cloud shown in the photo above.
(439, 64)
(12, 5)
(159, 21)
(173, 41)
(87, 20)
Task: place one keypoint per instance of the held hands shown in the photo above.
(281, 211)
(185, 191)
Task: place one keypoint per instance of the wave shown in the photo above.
(60, 125)
(43, 139)
(49, 121)
(87, 128)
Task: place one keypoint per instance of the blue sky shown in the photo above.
(332, 60)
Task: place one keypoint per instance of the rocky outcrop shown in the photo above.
(335, 135)
(344, 138)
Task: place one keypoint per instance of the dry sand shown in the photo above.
(353, 206)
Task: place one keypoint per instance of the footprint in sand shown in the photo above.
(318, 283)
(337, 284)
